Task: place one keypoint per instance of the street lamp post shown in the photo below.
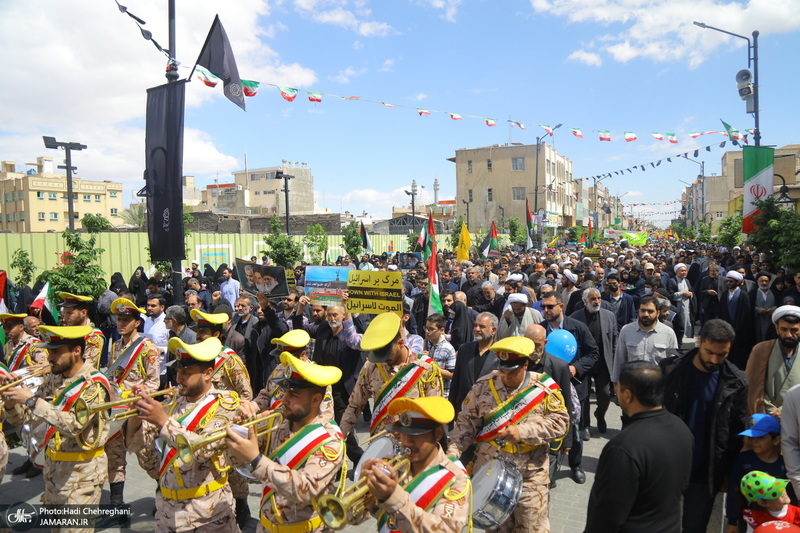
(51, 142)
(285, 177)
(536, 179)
(413, 194)
(752, 59)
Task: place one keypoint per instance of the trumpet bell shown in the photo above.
(332, 511)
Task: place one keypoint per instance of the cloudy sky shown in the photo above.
(79, 71)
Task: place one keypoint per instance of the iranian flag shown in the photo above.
(520, 125)
(250, 87)
(695, 134)
(528, 224)
(366, 244)
(577, 132)
(388, 104)
(630, 136)
(46, 302)
(423, 112)
(288, 93)
(759, 166)
(490, 122)
(206, 77)
(547, 128)
(604, 135)
(350, 97)
(314, 97)
(434, 301)
(455, 116)
(657, 136)
(672, 138)
(488, 247)
(730, 132)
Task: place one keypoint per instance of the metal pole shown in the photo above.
(70, 204)
(172, 76)
(536, 179)
(286, 192)
(757, 136)
(413, 211)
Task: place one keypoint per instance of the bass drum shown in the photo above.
(381, 448)
(496, 489)
(32, 435)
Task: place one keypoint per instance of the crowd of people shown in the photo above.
(695, 344)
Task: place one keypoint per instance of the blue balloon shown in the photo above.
(562, 344)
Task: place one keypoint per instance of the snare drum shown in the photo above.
(381, 448)
(496, 489)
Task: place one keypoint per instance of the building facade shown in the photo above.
(36, 200)
(266, 192)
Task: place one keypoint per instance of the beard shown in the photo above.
(790, 343)
(592, 308)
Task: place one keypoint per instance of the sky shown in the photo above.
(80, 70)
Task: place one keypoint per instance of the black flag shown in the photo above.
(217, 57)
(164, 171)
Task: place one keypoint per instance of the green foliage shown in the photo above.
(282, 249)
(575, 233)
(21, 260)
(455, 235)
(316, 241)
(689, 233)
(135, 216)
(704, 233)
(729, 233)
(79, 272)
(412, 241)
(517, 232)
(95, 223)
(777, 233)
(352, 239)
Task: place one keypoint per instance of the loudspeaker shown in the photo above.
(743, 77)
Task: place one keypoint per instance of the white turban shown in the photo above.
(732, 274)
(785, 310)
(518, 298)
(679, 265)
(570, 276)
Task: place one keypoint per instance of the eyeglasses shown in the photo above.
(549, 306)
(288, 299)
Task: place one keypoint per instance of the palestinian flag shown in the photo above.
(630, 136)
(604, 135)
(759, 167)
(288, 93)
(47, 303)
(366, 244)
(464, 243)
(528, 224)
(490, 122)
(426, 239)
(489, 245)
(423, 112)
(577, 132)
(4, 296)
(314, 97)
(434, 301)
(206, 77)
(547, 128)
(249, 87)
(657, 136)
(733, 134)
(672, 138)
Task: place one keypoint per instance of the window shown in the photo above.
(13, 217)
(22, 217)
(39, 195)
(469, 166)
(97, 198)
(517, 193)
(41, 216)
(517, 163)
(112, 194)
(469, 193)
(52, 196)
(8, 217)
(8, 195)
(547, 166)
(53, 217)
(719, 215)
(488, 165)
(258, 193)
(489, 195)
(87, 197)
(114, 211)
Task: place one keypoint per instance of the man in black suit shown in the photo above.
(474, 359)
(736, 308)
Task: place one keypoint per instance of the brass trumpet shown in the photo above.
(338, 511)
(83, 411)
(26, 374)
(187, 448)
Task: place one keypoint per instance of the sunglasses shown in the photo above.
(549, 306)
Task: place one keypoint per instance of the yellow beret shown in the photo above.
(381, 331)
(72, 300)
(299, 374)
(511, 351)
(11, 317)
(205, 320)
(123, 306)
(420, 415)
(53, 336)
(188, 354)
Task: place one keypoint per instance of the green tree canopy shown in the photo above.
(282, 249)
(516, 231)
(78, 272)
(316, 241)
(729, 233)
(351, 233)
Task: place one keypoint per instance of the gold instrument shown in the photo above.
(376, 436)
(84, 412)
(25, 374)
(338, 511)
(263, 424)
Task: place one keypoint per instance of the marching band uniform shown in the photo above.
(94, 340)
(487, 410)
(193, 497)
(72, 474)
(417, 376)
(24, 352)
(4, 374)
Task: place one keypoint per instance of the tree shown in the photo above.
(95, 223)
(352, 239)
(704, 233)
(777, 233)
(78, 272)
(575, 233)
(282, 249)
(316, 240)
(516, 231)
(21, 260)
(135, 216)
(729, 233)
(413, 242)
(455, 235)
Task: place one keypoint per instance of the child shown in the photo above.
(768, 500)
(763, 453)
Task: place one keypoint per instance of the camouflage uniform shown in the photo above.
(144, 372)
(68, 481)
(374, 376)
(94, 347)
(213, 511)
(35, 356)
(547, 422)
(271, 389)
(294, 490)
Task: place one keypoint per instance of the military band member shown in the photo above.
(302, 457)
(5, 375)
(75, 312)
(132, 362)
(191, 497)
(486, 418)
(436, 496)
(21, 349)
(73, 474)
(230, 372)
(392, 371)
